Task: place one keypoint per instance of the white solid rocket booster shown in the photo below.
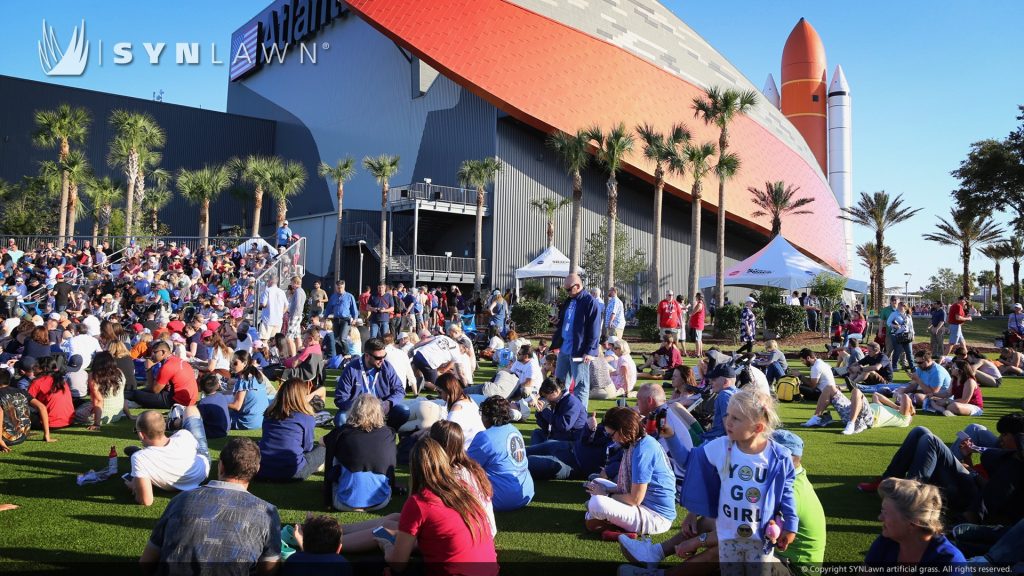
(840, 150)
(771, 92)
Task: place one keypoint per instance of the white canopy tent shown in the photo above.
(255, 242)
(781, 265)
(550, 264)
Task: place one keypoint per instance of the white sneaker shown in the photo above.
(630, 570)
(131, 405)
(516, 415)
(851, 428)
(861, 426)
(641, 551)
(812, 421)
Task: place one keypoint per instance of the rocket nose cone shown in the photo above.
(803, 45)
(839, 83)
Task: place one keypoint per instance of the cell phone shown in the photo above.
(383, 534)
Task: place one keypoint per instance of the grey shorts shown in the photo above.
(844, 407)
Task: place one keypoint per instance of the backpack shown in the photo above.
(787, 389)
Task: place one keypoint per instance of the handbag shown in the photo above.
(904, 338)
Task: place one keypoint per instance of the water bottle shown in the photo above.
(112, 461)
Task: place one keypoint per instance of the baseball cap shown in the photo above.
(751, 300)
(53, 316)
(207, 333)
(137, 327)
(791, 441)
(722, 371)
(403, 335)
(27, 363)
(1017, 305)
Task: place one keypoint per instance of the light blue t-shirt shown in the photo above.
(650, 466)
(614, 306)
(255, 403)
(935, 376)
(501, 451)
(570, 313)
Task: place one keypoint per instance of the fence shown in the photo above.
(118, 243)
(292, 262)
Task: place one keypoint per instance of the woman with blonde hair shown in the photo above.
(911, 527)
(287, 448)
(362, 457)
(220, 354)
(125, 363)
(442, 518)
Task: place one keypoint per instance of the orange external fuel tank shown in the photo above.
(804, 88)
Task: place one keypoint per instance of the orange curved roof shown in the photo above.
(552, 76)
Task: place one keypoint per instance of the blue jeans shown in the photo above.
(379, 329)
(194, 424)
(774, 371)
(579, 373)
(552, 460)
(979, 435)
(924, 457)
(900, 350)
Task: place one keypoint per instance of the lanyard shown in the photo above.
(369, 385)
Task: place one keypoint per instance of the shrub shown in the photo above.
(647, 321)
(784, 320)
(532, 289)
(531, 317)
(771, 296)
(727, 322)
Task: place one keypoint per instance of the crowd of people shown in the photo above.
(715, 447)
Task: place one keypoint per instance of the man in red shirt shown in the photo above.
(169, 380)
(956, 316)
(669, 315)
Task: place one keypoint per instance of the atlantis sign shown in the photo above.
(282, 26)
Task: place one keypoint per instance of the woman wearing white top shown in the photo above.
(624, 375)
(461, 408)
(220, 354)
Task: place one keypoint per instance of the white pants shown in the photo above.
(630, 518)
(744, 556)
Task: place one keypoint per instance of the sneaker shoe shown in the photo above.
(614, 535)
(871, 486)
(826, 419)
(630, 570)
(642, 551)
(516, 415)
(812, 421)
(861, 426)
(851, 428)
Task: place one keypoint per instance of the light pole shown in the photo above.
(361, 244)
(906, 287)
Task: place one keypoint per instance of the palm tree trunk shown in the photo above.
(1016, 280)
(107, 214)
(257, 210)
(383, 232)
(72, 207)
(694, 242)
(129, 210)
(551, 230)
(966, 280)
(64, 192)
(723, 143)
(154, 222)
(577, 224)
(95, 227)
(999, 290)
(613, 212)
(204, 223)
(478, 257)
(654, 281)
(776, 226)
(337, 235)
(879, 270)
(282, 211)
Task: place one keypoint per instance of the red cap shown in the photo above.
(207, 333)
(137, 327)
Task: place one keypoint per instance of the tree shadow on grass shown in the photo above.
(26, 559)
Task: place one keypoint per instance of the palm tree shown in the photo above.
(660, 149)
(868, 255)
(776, 200)
(242, 195)
(611, 152)
(1013, 248)
(287, 179)
(153, 203)
(698, 158)
(879, 213)
(258, 171)
(478, 174)
(995, 252)
(382, 168)
(987, 279)
(967, 231)
(202, 187)
(76, 169)
(574, 151)
(549, 207)
(341, 172)
(721, 107)
(136, 132)
(102, 194)
(62, 127)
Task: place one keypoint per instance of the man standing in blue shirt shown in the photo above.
(369, 374)
(342, 307)
(614, 314)
(380, 306)
(284, 235)
(576, 337)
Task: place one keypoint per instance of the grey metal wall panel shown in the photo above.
(194, 137)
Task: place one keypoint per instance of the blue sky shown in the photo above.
(927, 78)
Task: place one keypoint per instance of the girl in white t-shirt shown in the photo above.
(461, 408)
(745, 481)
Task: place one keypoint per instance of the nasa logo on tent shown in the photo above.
(734, 273)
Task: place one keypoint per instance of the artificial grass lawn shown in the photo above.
(61, 524)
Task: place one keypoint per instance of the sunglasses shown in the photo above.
(378, 358)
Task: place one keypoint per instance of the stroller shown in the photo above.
(703, 409)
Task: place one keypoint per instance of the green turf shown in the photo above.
(61, 523)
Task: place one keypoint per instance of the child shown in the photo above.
(319, 540)
(744, 480)
(213, 407)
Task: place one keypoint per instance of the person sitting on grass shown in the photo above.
(666, 358)
(563, 460)
(643, 500)
(819, 379)
(249, 401)
(106, 393)
(772, 362)
(319, 541)
(442, 518)
(700, 548)
(873, 369)
(213, 407)
(177, 463)
(15, 414)
(855, 412)
(362, 457)
(501, 452)
(369, 373)
(928, 379)
(560, 416)
(51, 390)
(219, 522)
(716, 474)
(847, 358)
(461, 408)
(911, 528)
(449, 436)
(288, 449)
(963, 397)
(1011, 362)
(723, 384)
(985, 371)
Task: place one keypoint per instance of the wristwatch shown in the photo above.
(703, 539)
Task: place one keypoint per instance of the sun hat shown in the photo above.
(794, 443)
